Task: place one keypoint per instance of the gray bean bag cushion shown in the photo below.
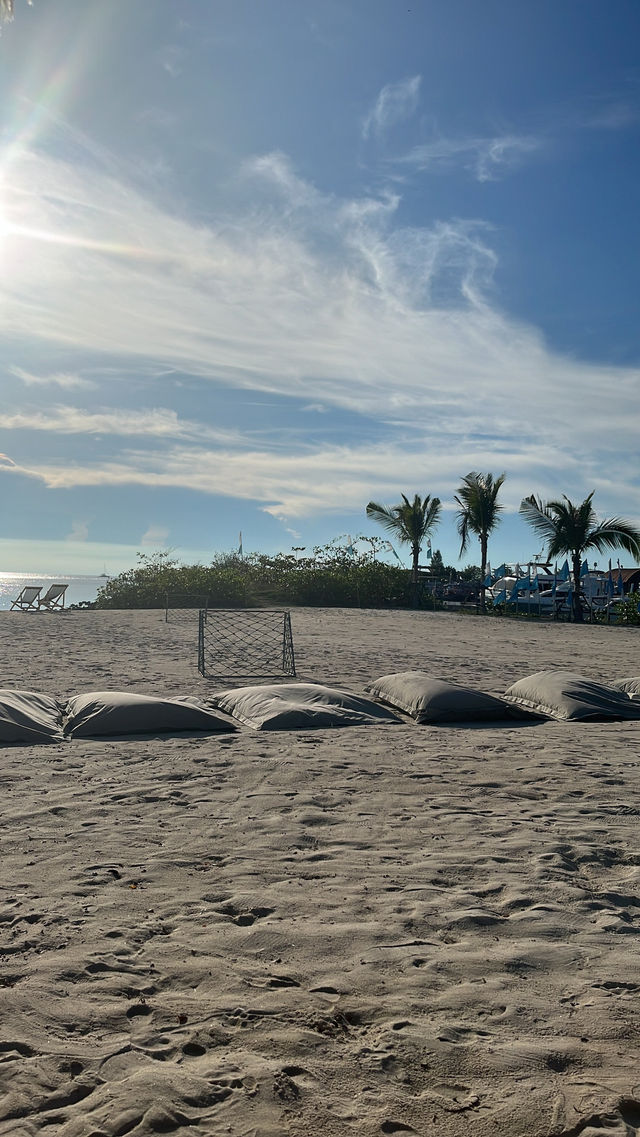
(28, 717)
(430, 700)
(568, 697)
(630, 686)
(121, 712)
(299, 706)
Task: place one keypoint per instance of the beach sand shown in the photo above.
(376, 930)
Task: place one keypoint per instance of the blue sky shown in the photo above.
(265, 260)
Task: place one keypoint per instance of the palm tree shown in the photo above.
(478, 513)
(409, 522)
(574, 529)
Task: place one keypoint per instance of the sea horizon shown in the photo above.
(81, 587)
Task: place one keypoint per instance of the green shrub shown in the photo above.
(627, 612)
(331, 577)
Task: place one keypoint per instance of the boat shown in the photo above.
(551, 594)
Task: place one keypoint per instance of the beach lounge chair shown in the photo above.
(53, 599)
(27, 601)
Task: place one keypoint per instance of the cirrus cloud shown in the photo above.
(395, 102)
(325, 301)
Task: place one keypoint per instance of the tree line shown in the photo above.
(567, 529)
(337, 574)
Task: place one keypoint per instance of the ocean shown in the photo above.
(78, 587)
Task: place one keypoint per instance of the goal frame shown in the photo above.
(245, 643)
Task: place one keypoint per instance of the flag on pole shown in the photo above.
(392, 550)
(350, 549)
(429, 551)
(609, 587)
(564, 572)
(240, 544)
(500, 572)
(584, 568)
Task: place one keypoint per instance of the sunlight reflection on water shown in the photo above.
(79, 587)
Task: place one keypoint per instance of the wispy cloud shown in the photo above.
(155, 535)
(57, 379)
(327, 301)
(613, 112)
(276, 168)
(395, 103)
(487, 159)
(155, 423)
(172, 59)
(309, 481)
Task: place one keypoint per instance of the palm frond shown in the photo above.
(383, 515)
(462, 523)
(410, 521)
(615, 533)
(569, 528)
(539, 516)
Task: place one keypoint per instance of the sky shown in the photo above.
(263, 261)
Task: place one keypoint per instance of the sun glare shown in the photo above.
(4, 232)
(4, 223)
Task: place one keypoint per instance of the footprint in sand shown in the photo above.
(273, 981)
(244, 917)
(622, 1121)
(9, 1051)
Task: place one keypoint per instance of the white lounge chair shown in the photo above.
(28, 599)
(53, 599)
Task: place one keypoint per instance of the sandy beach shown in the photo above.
(375, 930)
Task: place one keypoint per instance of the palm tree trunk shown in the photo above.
(484, 540)
(414, 569)
(576, 605)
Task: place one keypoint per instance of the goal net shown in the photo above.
(245, 643)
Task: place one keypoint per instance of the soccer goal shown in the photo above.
(245, 643)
